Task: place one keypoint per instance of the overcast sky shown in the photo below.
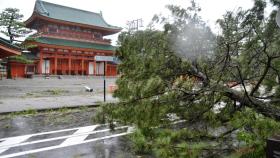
(118, 12)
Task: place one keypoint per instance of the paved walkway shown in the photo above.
(40, 93)
(21, 104)
(39, 86)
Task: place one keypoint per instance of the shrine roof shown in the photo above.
(8, 44)
(7, 49)
(76, 44)
(68, 14)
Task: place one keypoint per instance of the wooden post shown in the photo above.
(25, 71)
(82, 66)
(55, 64)
(105, 67)
(40, 63)
(94, 68)
(69, 65)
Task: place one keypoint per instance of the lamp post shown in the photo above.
(104, 59)
(104, 81)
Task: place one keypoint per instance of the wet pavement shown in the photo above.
(40, 87)
(15, 124)
(54, 102)
(110, 148)
(54, 143)
(61, 133)
(40, 93)
(68, 133)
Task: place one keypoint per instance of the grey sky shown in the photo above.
(118, 12)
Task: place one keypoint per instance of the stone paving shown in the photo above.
(40, 93)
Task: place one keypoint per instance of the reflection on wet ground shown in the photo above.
(110, 148)
(16, 125)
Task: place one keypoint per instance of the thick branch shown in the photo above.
(262, 77)
(260, 106)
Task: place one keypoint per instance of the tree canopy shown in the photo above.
(11, 24)
(215, 96)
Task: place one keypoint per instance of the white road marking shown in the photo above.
(76, 138)
(11, 141)
(81, 138)
(51, 132)
(58, 138)
(60, 146)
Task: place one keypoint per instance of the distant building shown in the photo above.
(68, 39)
(7, 50)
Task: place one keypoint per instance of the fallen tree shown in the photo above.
(183, 72)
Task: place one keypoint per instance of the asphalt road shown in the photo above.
(88, 141)
(51, 134)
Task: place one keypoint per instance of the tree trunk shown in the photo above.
(264, 108)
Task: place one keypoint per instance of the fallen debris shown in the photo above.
(88, 89)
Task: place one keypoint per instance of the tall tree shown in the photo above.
(226, 98)
(11, 24)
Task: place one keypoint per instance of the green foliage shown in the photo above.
(27, 44)
(21, 59)
(11, 24)
(157, 86)
(27, 112)
(140, 143)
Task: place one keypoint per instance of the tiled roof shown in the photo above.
(8, 44)
(77, 44)
(69, 14)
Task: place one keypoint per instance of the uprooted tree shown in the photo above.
(223, 91)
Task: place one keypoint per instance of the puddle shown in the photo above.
(49, 121)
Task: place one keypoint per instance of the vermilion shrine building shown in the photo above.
(7, 50)
(68, 40)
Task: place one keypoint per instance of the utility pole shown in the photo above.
(134, 25)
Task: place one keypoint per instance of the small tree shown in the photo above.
(11, 24)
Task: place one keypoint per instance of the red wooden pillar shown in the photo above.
(40, 63)
(25, 70)
(69, 65)
(55, 64)
(83, 66)
(94, 68)
(86, 67)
